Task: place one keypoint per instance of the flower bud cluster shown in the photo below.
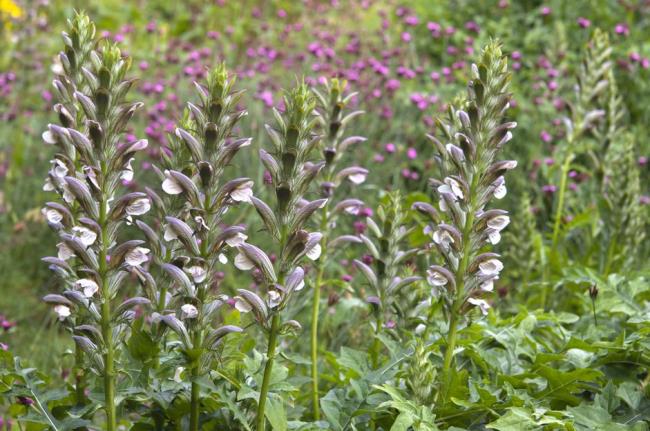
(91, 164)
(91, 136)
(193, 240)
(293, 139)
(462, 227)
(333, 119)
(383, 267)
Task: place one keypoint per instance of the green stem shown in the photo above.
(376, 344)
(560, 203)
(452, 335)
(268, 368)
(611, 247)
(314, 318)
(195, 402)
(107, 330)
(593, 309)
(314, 342)
(545, 275)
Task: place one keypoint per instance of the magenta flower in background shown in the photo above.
(622, 29)
(549, 189)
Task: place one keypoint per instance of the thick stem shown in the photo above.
(107, 330)
(195, 401)
(449, 355)
(314, 342)
(268, 368)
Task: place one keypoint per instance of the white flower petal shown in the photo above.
(189, 311)
(87, 236)
(483, 305)
(198, 273)
(137, 256)
(48, 186)
(443, 238)
(62, 311)
(357, 178)
(490, 267)
(435, 278)
(171, 186)
(127, 173)
(499, 222)
(243, 193)
(177, 374)
(237, 239)
(243, 262)
(138, 207)
(242, 306)
(315, 252)
(500, 192)
(87, 286)
(488, 286)
(59, 169)
(274, 298)
(169, 234)
(494, 237)
(48, 137)
(64, 252)
(52, 215)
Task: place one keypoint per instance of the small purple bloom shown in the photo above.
(411, 20)
(412, 153)
(583, 22)
(622, 29)
(549, 189)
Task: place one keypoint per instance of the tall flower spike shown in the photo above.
(586, 112)
(333, 117)
(623, 214)
(291, 173)
(78, 42)
(473, 177)
(87, 185)
(621, 210)
(384, 243)
(193, 244)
